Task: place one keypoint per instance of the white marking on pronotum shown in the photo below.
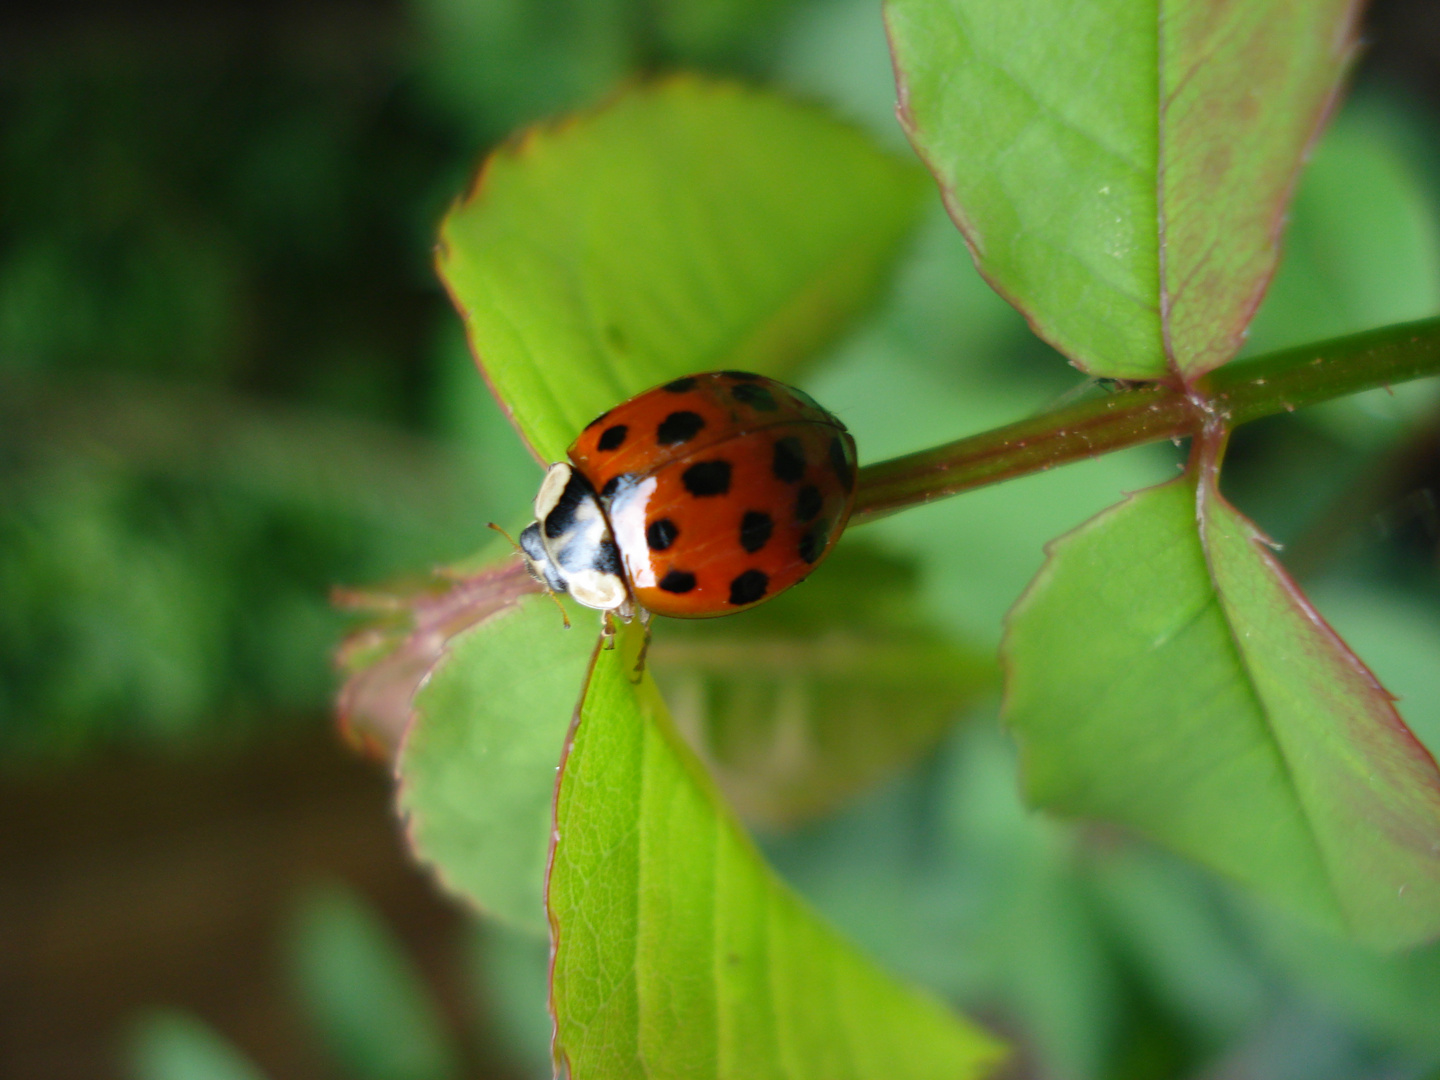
(551, 488)
(597, 589)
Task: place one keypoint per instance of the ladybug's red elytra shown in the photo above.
(701, 497)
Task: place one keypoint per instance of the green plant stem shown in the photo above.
(1232, 395)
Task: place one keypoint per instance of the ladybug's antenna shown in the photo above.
(518, 549)
(564, 615)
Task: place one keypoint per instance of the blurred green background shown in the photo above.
(229, 380)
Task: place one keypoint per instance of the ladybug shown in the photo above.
(701, 497)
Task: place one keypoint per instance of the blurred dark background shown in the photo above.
(229, 380)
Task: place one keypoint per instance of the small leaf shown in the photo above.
(387, 661)
(800, 703)
(1175, 680)
(477, 769)
(1121, 169)
(364, 995)
(686, 226)
(676, 950)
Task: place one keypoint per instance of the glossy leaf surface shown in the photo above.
(677, 952)
(686, 226)
(1175, 680)
(1121, 169)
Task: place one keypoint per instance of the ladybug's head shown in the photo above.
(568, 548)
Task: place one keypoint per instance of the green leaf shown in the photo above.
(363, 995)
(676, 950)
(684, 227)
(1121, 169)
(388, 659)
(782, 702)
(477, 769)
(169, 1045)
(1398, 633)
(1175, 680)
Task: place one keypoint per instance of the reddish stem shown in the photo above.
(1230, 396)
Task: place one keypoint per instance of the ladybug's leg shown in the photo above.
(645, 617)
(607, 627)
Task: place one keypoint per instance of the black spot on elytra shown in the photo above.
(789, 462)
(812, 544)
(661, 534)
(744, 376)
(681, 386)
(841, 464)
(749, 587)
(707, 478)
(679, 427)
(758, 398)
(755, 529)
(612, 437)
(678, 581)
(808, 503)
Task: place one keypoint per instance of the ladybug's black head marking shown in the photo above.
(561, 517)
(607, 558)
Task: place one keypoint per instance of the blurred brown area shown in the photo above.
(138, 882)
